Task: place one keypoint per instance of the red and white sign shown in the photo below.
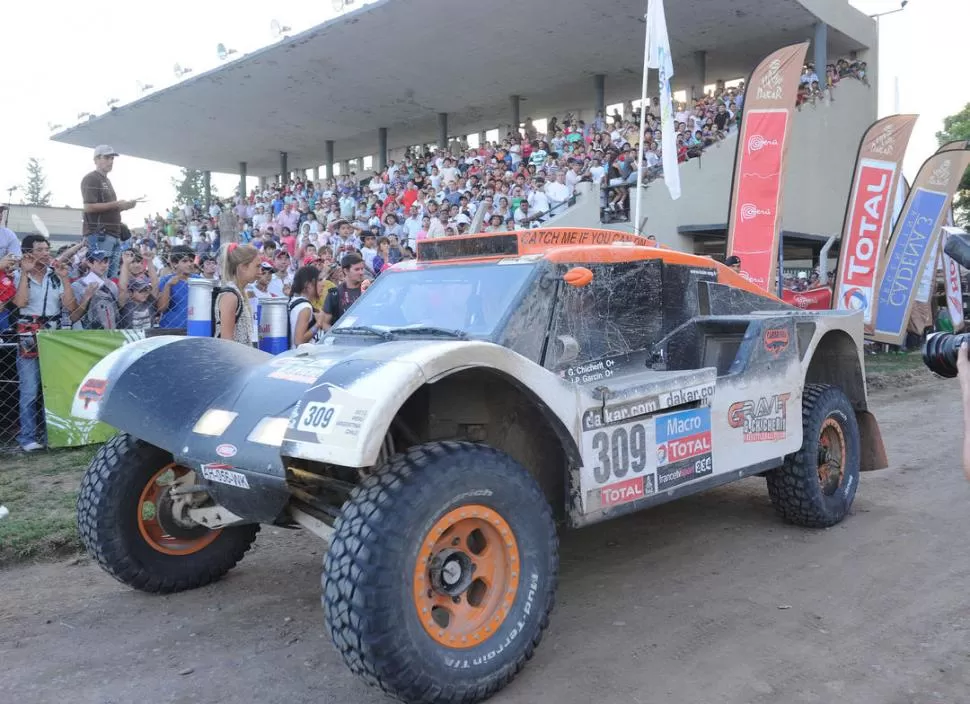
(812, 299)
(869, 209)
(757, 194)
(954, 290)
(622, 492)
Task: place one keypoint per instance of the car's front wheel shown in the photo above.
(441, 573)
(126, 521)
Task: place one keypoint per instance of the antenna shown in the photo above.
(179, 71)
(144, 87)
(223, 53)
(277, 29)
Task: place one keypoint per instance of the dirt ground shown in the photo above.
(709, 599)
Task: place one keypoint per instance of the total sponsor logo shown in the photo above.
(761, 420)
(626, 491)
(683, 447)
(749, 211)
(867, 222)
(757, 142)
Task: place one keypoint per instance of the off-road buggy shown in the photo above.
(468, 403)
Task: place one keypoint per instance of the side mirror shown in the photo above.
(567, 349)
(578, 276)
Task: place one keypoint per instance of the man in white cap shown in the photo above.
(103, 228)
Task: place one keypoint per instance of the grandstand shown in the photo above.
(308, 105)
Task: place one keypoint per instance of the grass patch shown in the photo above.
(888, 363)
(40, 490)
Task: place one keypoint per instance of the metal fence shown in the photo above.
(10, 392)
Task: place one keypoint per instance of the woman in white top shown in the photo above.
(304, 322)
(234, 315)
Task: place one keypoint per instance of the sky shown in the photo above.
(78, 59)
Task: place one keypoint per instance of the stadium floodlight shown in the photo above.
(52, 127)
(180, 71)
(144, 87)
(278, 30)
(223, 53)
(902, 6)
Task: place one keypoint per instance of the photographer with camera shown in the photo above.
(43, 292)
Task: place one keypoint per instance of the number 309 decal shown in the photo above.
(618, 452)
(319, 418)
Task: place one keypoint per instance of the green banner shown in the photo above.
(66, 356)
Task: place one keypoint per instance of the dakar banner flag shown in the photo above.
(915, 238)
(754, 220)
(868, 212)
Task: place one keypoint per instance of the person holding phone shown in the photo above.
(102, 227)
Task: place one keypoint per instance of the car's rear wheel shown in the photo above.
(126, 521)
(441, 573)
(816, 486)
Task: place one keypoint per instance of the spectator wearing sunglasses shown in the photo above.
(173, 289)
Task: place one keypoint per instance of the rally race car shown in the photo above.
(469, 403)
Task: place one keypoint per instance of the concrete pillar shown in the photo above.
(514, 112)
(263, 181)
(821, 51)
(599, 85)
(316, 174)
(207, 187)
(329, 153)
(345, 167)
(482, 138)
(284, 172)
(381, 148)
(700, 75)
(242, 179)
(442, 130)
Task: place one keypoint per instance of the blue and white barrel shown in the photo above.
(273, 325)
(200, 308)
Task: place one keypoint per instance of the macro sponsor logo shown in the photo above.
(749, 211)
(761, 420)
(758, 142)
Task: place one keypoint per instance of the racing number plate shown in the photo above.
(223, 474)
(319, 418)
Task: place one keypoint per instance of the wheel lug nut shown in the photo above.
(456, 599)
(455, 541)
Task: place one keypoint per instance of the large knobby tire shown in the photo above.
(816, 486)
(121, 520)
(441, 573)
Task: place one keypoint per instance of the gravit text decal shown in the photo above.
(762, 419)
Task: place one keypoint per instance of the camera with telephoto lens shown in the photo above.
(941, 348)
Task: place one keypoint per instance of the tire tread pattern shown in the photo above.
(353, 610)
(793, 487)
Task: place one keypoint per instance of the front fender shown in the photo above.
(363, 395)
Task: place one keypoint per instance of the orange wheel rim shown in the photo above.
(466, 576)
(831, 456)
(147, 517)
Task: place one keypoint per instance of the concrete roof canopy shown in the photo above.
(344, 79)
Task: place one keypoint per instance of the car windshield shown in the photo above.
(468, 298)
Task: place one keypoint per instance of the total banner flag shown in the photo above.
(754, 220)
(66, 357)
(914, 241)
(868, 216)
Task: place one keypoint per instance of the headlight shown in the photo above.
(214, 422)
(269, 431)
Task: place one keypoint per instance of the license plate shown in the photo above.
(319, 418)
(224, 475)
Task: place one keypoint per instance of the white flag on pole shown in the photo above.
(658, 57)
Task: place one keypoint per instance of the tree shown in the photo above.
(190, 188)
(957, 127)
(35, 192)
